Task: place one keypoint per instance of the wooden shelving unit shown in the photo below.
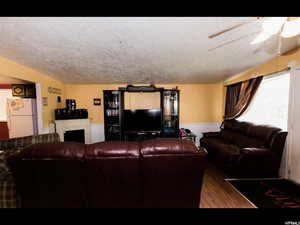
(112, 114)
(114, 106)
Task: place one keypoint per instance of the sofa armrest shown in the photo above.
(256, 152)
(211, 134)
(258, 155)
(258, 160)
(278, 142)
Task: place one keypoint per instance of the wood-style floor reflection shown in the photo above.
(217, 193)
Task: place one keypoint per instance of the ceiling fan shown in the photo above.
(282, 27)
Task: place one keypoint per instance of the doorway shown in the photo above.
(18, 108)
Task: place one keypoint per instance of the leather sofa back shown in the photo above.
(158, 173)
(246, 134)
(113, 175)
(50, 175)
(172, 174)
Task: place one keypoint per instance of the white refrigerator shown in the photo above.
(21, 117)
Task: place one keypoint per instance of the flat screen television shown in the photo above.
(142, 120)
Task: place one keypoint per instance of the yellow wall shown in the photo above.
(198, 102)
(15, 70)
(136, 100)
(273, 65)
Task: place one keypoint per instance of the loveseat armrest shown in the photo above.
(257, 155)
(211, 134)
(263, 152)
(258, 161)
(278, 142)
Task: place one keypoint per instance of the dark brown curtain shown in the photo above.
(239, 97)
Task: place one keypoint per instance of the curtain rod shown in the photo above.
(268, 74)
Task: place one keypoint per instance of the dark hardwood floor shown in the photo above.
(217, 193)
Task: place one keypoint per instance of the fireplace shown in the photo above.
(74, 136)
(78, 130)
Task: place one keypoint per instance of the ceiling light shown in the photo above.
(271, 26)
(291, 28)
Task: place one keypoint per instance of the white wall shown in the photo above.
(4, 94)
(292, 163)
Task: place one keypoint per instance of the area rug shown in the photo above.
(269, 193)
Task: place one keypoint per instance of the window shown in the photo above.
(270, 104)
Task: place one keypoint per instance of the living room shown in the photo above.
(74, 62)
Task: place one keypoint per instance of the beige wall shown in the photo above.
(142, 100)
(198, 102)
(15, 70)
(273, 65)
(10, 80)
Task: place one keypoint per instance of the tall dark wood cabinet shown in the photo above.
(170, 113)
(113, 106)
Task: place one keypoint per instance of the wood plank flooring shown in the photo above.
(217, 193)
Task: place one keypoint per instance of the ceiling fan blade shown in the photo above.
(273, 47)
(292, 18)
(229, 42)
(229, 29)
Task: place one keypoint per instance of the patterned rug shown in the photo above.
(269, 193)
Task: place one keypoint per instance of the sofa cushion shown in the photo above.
(167, 146)
(55, 174)
(112, 175)
(263, 133)
(211, 134)
(172, 173)
(213, 142)
(241, 140)
(216, 145)
(238, 126)
(112, 149)
(62, 150)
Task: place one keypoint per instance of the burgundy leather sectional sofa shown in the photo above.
(243, 149)
(152, 173)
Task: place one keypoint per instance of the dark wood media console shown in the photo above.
(114, 114)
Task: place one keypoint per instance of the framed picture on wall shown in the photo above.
(97, 101)
(30, 91)
(23, 90)
(45, 101)
(18, 90)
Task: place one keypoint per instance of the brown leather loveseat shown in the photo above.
(243, 149)
(152, 173)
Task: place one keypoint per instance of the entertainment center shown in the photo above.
(140, 124)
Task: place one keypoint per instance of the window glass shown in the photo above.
(270, 104)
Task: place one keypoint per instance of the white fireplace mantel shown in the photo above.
(67, 125)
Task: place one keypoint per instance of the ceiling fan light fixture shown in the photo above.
(271, 26)
(291, 28)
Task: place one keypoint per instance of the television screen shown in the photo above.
(142, 120)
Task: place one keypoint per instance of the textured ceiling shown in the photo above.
(133, 49)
